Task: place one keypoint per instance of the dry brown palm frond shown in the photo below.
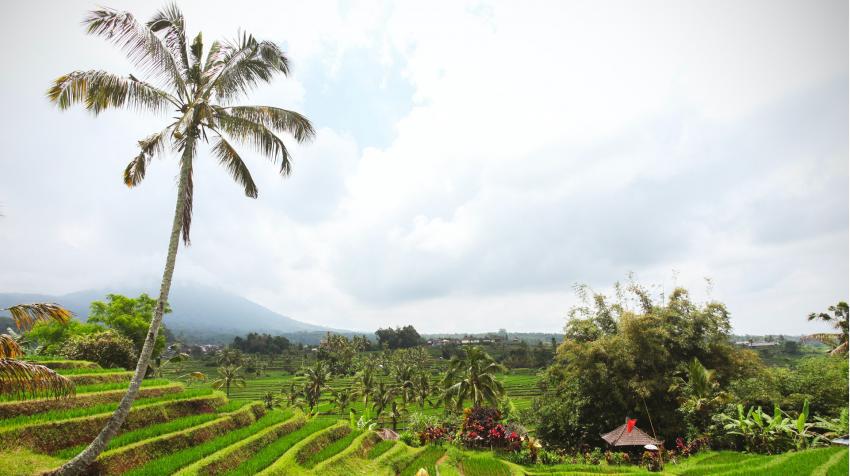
(23, 379)
(25, 315)
(9, 348)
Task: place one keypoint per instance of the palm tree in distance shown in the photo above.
(471, 375)
(200, 90)
(228, 376)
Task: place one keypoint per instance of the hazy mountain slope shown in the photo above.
(193, 307)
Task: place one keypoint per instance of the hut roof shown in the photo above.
(387, 434)
(620, 437)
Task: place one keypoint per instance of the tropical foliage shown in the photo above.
(25, 379)
(472, 376)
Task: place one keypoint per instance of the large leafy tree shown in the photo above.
(605, 371)
(199, 88)
(472, 376)
(25, 379)
(131, 317)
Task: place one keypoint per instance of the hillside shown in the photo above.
(196, 310)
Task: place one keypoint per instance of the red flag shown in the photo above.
(630, 424)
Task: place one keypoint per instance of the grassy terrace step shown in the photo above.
(48, 436)
(109, 376)
(426, 459)
(248, 453)
(87, 370)
(268, 455)
(146, 432)
(31, 407)
(64, 414)
(95, 387)
(175, 461)
(65, 364)
(353, 459)
(120, 460)
(292, 460)
(332, 449)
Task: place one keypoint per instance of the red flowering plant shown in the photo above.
(482, 428)
(434, 435)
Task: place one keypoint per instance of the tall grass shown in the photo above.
(426, 459)
(146, 432)
(484, 466)
(331, 449)
(268, 455)
(173, 462)
(89, 371)
(97, 387)
(380, 448)
(64, 414)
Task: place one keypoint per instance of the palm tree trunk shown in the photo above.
(81, 462)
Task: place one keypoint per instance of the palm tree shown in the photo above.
(25, 379)
(317, 379)
(383, 396)
(270, 400)
(228, 376)
(396, 412)
(422, 388)
(404, 375)
(200, 90)
(840, 319)
(341, 400)
(365, 384)
(471, 375)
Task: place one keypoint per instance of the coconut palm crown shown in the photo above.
(472, 375)
(200, 88)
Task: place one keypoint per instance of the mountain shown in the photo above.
(195, 311)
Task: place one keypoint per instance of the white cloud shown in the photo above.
(548, 143)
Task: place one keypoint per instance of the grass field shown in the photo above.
(238, 438)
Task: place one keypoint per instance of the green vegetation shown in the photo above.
(65, 414)
(267, 455)
(145, 433)
(380, 448)
(173, 462)
(484, 465)
(331, 449)
(426, 459)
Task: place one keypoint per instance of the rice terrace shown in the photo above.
(492, 221)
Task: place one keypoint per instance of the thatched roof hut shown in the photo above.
(387, 434)
(625, 436)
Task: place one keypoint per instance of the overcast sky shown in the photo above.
(474, 161)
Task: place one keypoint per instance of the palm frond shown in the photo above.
(23, 379)
(170, 21)
(9, 347)
(100, 90)
(140, 43)
(229, 158)
(257, 135)
(25, 315)
(239, 66)
(280, 120)
(150, 146)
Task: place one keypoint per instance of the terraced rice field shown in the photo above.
(520, 385)
(197, 431)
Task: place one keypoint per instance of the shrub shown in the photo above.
(481, 428)
(408, 438)
(108, 349)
